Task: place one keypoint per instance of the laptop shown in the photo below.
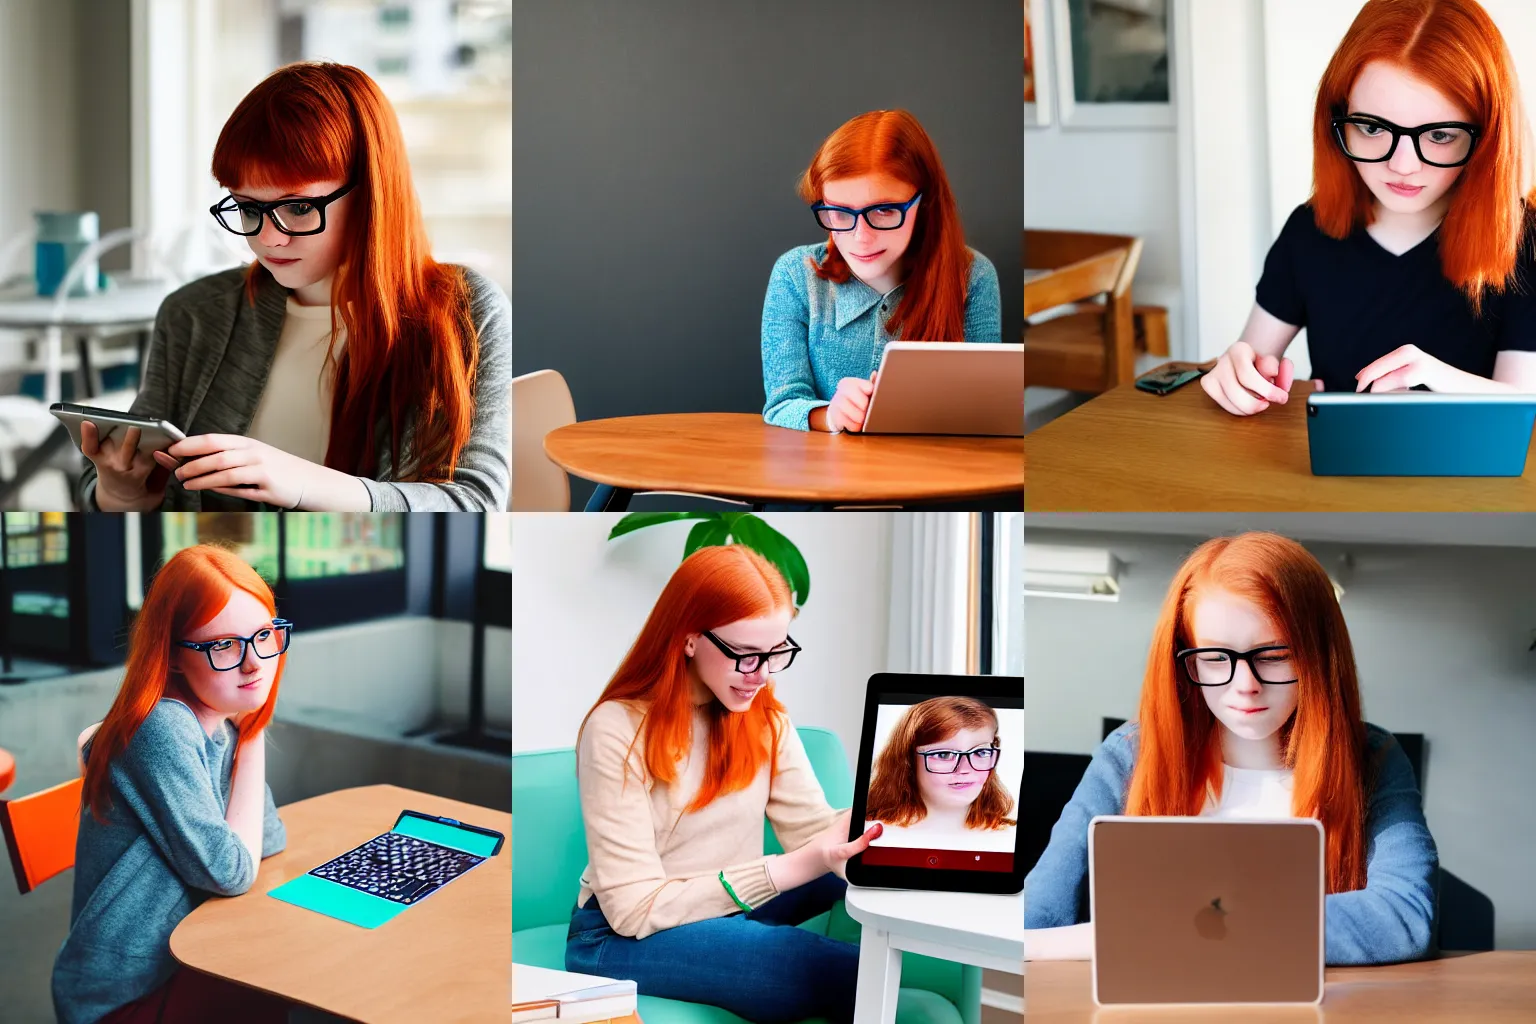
(948, 387)
(1202, 911)
(1419, 433)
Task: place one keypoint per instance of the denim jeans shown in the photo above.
(757, 965)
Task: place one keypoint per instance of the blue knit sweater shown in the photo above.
(815, 332)
(165, 848)
(1390, 920)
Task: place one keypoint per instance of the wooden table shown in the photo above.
(7, 770)
(737, 455)
(445, 960)
(1473, 988)
(1131, 451)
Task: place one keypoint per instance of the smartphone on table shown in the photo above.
(1170, 377)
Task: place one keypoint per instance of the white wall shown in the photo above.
(579, 600)
(1440, 636)
(38, 160)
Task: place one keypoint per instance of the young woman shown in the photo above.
(935, 783)
(894, 267)
(1251, 709)
(1412, 265)
(344, 369)
(175, 805)
(679, 760)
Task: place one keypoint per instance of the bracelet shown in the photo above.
(732, 892)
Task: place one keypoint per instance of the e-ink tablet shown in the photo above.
(372, 883)
(941, 766)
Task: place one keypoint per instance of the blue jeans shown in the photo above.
(757, 965)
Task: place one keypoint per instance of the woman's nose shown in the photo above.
(269, 235)
(1244, 681)
(1404, 159)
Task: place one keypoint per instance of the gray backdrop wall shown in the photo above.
(656, 147)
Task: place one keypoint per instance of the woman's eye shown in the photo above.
(264, 634)
(1441, 138)
(1369, 129)
(301, 209)
(944, 755)
(222, 645)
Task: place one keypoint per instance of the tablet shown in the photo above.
(941, 763)
(154, 435)
(372, 883)
(948, 387)
(1419, 433)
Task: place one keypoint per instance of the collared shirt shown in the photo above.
(816, 332)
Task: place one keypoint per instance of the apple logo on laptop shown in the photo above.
(1211, 920)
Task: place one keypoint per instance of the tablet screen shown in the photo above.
(945, 773)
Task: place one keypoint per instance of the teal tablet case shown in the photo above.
(366, 910)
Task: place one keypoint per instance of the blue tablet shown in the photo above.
(1419, 433)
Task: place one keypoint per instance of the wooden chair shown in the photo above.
(1093, 347)
(541, 402)
(40, 833)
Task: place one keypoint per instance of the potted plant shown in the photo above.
(721, 528)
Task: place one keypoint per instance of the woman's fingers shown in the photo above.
(90, 444)
(1251, 377)
(224, 478)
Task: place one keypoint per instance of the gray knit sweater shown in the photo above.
(208, 363)
(165, 848)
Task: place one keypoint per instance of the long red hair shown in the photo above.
(411, 350)
(1179, 757)
(932, 306)
(1455, 47)
(714, 586)
(188, 591)
(893, 794)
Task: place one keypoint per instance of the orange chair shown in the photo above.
(40, 833)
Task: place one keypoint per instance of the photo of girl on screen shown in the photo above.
(936, 783)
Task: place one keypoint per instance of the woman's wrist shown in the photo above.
(334, 491)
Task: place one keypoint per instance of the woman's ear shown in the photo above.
(689, 645)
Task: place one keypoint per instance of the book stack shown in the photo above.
(540, 994)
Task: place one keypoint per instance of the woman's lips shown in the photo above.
(1405, 190)
(867, 259)
(281, 262)
(962, 785)
(745, 694)
(250, 685)
(1249, 711)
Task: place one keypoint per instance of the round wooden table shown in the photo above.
(7, 770)
(738, 456)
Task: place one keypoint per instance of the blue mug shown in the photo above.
(61, 238)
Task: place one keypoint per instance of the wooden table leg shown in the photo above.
(609, 499)
(879, 978)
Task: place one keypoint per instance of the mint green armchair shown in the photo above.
(549, 851)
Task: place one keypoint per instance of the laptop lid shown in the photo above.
(944, 387)
(1203, 910)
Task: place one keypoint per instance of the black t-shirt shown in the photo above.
(1358, 302)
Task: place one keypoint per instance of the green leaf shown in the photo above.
(710, 533)
(778, 549)
(640, 520)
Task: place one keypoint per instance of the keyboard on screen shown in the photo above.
(397, 867)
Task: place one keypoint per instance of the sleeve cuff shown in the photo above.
(794, 413)
(751, 883)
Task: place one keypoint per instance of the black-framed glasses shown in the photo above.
(881, 216)
(1371, 140)
(227, 652)
(1216, 666)
(946, 762)
(301, 215)
(778, 659)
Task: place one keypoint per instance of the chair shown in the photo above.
(541, 402)
(1091, 347)
(549, 851)
(40, 833)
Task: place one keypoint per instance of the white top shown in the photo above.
(927, 835)
(1252, 793)
(294, 413)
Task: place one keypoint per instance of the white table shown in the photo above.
(968, 928)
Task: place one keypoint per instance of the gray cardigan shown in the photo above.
(207, 368)
(165, 849)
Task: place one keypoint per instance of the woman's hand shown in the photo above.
(242, 467)
(850, 403)
(1244, 383)
(1408, 366)
(127, 480)
(828, 850)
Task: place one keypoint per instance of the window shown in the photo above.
(251, 535)
(321, 544)
(37, 583)
(1008, 594)
(497, 555)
